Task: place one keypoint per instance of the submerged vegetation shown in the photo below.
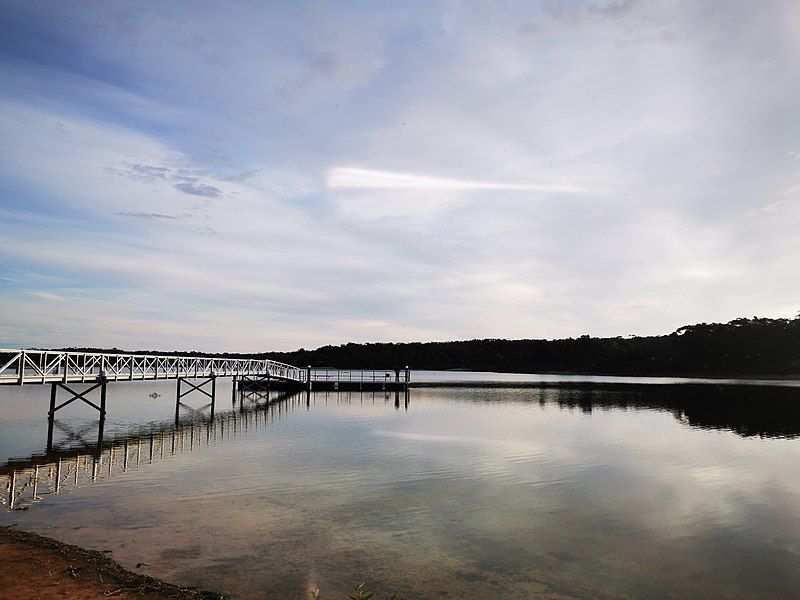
(361, 592)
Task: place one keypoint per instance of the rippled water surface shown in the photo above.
(572, 490)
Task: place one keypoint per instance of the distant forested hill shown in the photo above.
(741, 347)
(744, 346)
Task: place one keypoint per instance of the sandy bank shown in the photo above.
(33, 566)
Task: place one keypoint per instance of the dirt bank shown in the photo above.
(32, 566)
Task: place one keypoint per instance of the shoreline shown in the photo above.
(660, 375)
(36, 566)
(578, 384)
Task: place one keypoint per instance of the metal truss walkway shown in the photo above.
(20, 367)
(64, 370)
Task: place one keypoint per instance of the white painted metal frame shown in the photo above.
(44, 366)
(374, 376)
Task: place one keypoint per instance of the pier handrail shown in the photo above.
(21, 366)
(360, 375)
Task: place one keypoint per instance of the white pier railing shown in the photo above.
(45, 366)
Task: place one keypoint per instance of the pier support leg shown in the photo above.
(103, 401)
(50, 424)
(213, 394)
(75, 395)
(198, 388)
(51, 416)
(178, 402)
(100, 429)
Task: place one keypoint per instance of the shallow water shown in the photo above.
(648, 491)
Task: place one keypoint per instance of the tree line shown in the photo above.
(742, 347)
(756, 346)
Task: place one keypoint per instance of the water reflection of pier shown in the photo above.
(30, 480)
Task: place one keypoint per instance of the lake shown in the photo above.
(562, 488)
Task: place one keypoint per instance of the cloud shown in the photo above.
(772, 207)
(148, 173)
(353, 178)
(208, 191)
(143, 215)
(378, 168)
(583, 9)
(153, 175)
(49, 296)
(331, 70)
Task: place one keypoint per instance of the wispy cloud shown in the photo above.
(194, 189)
(145, 215)
(332, 69)
(44, 295)
(354, 178)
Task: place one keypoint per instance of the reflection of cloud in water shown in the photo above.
(428, 437)
(474, 494)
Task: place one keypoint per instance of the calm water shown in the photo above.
(573, 491)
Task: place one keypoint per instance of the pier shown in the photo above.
(61, 369)
(64, 371)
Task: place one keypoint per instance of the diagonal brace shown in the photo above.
(77, 396)
(197, 387)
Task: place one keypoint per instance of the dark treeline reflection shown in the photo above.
(746, 410)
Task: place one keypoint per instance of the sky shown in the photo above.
(254, 176)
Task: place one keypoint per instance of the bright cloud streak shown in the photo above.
(354, 178)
